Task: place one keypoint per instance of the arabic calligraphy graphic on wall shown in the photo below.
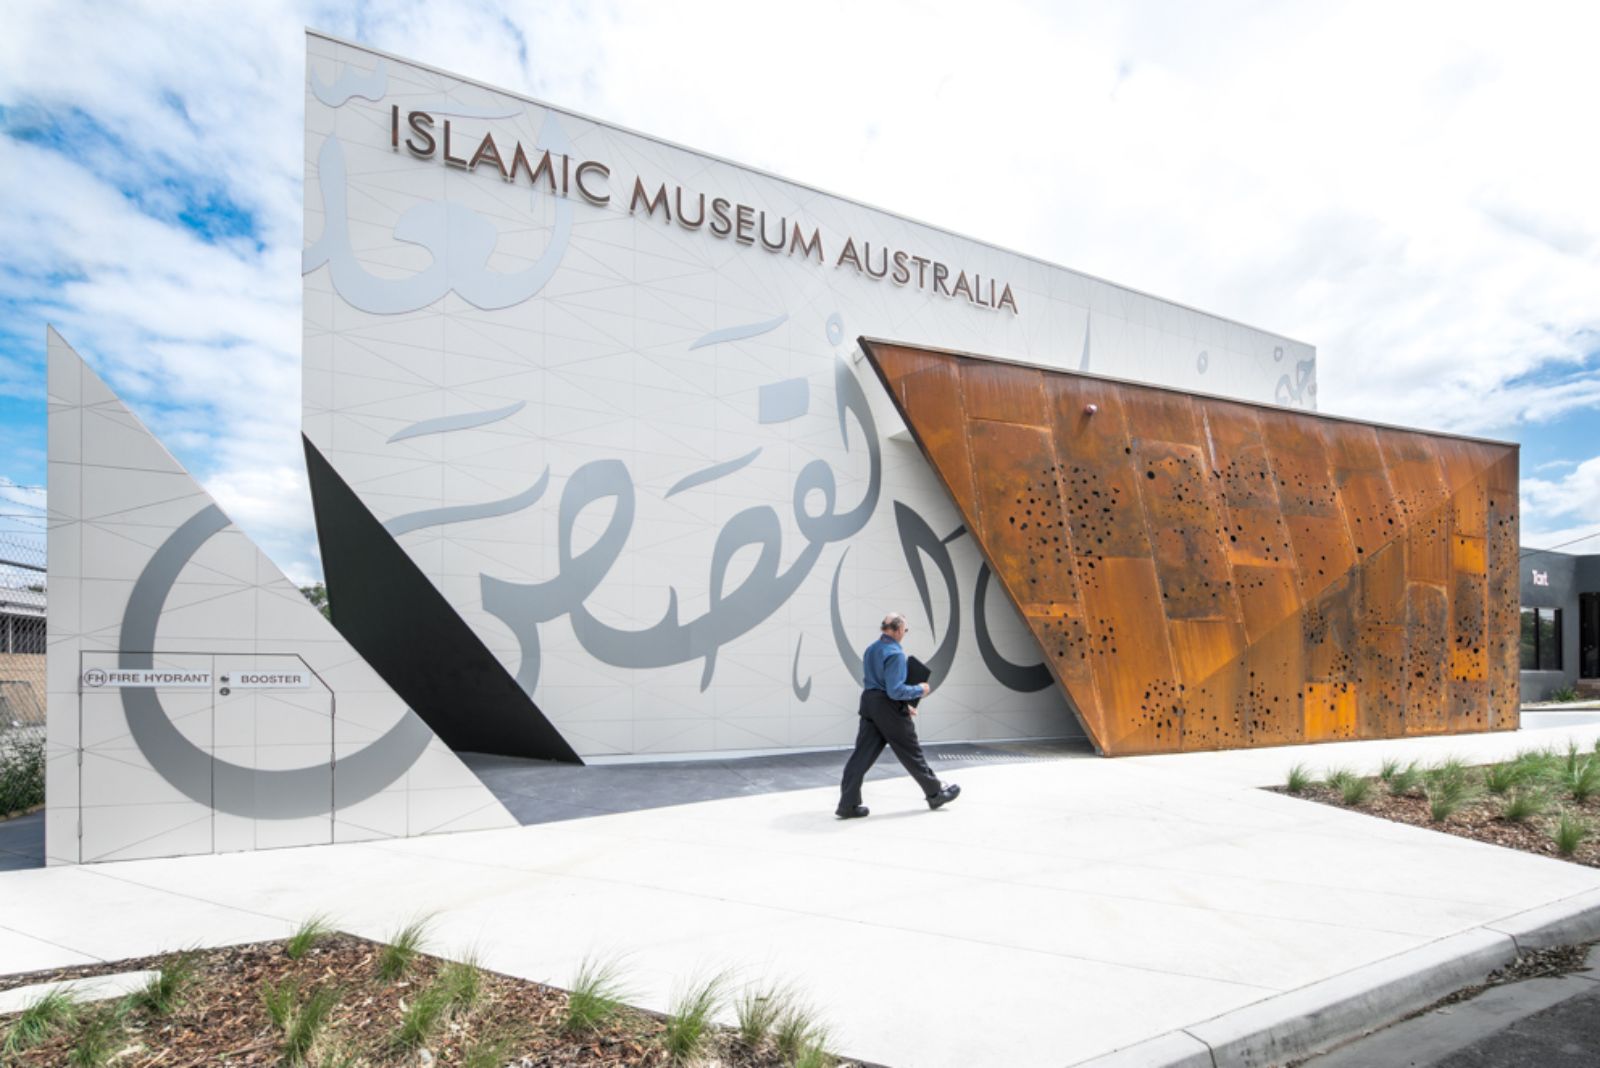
(643, 465)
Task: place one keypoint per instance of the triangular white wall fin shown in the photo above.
(197, 701)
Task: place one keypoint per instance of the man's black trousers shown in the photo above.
(883, 723)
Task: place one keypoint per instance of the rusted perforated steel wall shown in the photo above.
(1207, 574)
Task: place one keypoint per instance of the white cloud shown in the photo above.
(1559, 510)
(1407, 187)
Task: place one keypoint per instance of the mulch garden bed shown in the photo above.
(1479, 819)
(221, 1018)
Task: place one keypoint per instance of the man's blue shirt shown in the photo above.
(883, 667)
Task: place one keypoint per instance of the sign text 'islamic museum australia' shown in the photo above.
(560, 174)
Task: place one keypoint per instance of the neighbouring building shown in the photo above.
(1560, 632)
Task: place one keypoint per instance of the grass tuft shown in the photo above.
(1387, 769)
(403, 946)
(420, 1019)
(597, 995)
(1580, 778)
(309, 1020)
(689, 1019)
(800, 1033)
(96, 1040)
(814, 1056)
(1447, 788)
(342, 1056)
(51, 1013)
(758, 1010)
(300, 1021)
(305, 938)
(1353, 788)
(1405, 781)
(1500, 779)
(463, 981)
(165, 992)
(1522, 804)
(1299, 779)
(487, 1053)
(279, 1001)
(1570, 832)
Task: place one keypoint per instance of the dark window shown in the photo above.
(1541, 639)
(1589, 635)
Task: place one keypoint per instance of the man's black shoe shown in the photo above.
(854, 813)
(945, 796)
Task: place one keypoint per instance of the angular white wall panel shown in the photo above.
(263, 728)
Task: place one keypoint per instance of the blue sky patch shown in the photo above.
(158, 185)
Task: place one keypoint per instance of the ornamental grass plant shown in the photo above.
(52, 1013)
(689, 1020)
(597, 995)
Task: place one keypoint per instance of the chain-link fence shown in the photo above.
(22, 634)
(22, 645)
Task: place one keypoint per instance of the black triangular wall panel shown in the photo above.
(398, 620)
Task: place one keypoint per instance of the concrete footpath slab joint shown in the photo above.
(1175, 1049)
(1300, 1022)
(1570, 921)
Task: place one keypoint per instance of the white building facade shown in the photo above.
(605, 394)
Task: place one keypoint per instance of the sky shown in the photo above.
(1408, 187)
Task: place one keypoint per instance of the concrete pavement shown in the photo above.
(1057, 912)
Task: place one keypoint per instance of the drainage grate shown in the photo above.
(990, 758)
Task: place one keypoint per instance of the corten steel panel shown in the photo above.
(1205, 574)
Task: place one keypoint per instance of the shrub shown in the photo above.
(305, 938)
(395, 958)
(1569, 834)
(597, 995)
(51, 1013)
(689, 1019)
(1563, 693)
(1299, 779)
(21, 774)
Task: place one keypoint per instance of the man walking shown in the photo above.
(886, 719)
